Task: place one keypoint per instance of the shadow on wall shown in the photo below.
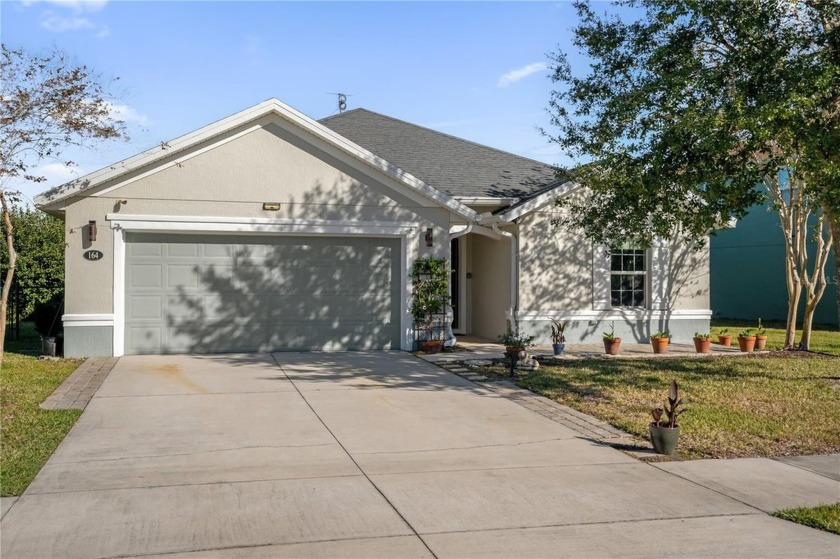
(281, 292)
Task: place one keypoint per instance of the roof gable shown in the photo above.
(458, 167)
(52, 198)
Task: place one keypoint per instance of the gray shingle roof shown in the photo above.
(454, 166)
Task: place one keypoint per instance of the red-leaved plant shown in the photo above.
(671, 411)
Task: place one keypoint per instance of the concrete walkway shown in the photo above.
(361, 454)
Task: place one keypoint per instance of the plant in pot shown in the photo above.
(660, 340)
(515, 341)
(724, 337)
(664, 434)
(612, 344)
(760, 336)
(702, 342)
(430, 294)
(746, 340)
(47, 319)
(558, 337)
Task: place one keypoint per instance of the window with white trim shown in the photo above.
(628, 276)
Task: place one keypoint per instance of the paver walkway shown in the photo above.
(77, 389)
(359, 454)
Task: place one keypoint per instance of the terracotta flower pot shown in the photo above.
(760, 342)
(431, 346)
(703, 345)
(660, 345)
(612, 347)
(746, 344)
(725, 340)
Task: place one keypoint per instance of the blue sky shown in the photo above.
(474, 70)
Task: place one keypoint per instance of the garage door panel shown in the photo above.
(145, 276)
(187, 293)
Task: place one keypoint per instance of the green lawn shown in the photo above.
(824, 517)
(760, 405)
(824, 338)
(28, 434)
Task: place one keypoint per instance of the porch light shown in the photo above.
(92, 230)
(430, 241)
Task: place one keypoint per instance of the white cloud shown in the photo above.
(59, 24)
(521, 73)
(127, 113)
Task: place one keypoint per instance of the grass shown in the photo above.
(28, 434)
(823, 517)
(824, 337)
(761, 405)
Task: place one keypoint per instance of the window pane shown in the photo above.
(615, 263)
(616, 298)
(626, 298)
(615, 281)
(640, 262)
(627, 262)
(639, 283)
(639, 298)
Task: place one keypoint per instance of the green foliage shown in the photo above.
(746, 333)
(609, 336)
(430, 292)
(516, 340)
(661, 334)
(702, 336)
(39, 271)
(687, 108)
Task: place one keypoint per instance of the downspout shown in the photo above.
(514, 275)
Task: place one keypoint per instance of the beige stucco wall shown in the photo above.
(489, 263)
(310, 179)
(556, 269)
(555, 266)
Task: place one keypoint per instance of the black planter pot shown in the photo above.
(664, 439)
(558, 348)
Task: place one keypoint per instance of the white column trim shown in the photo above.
(90, 319)
(119, 293)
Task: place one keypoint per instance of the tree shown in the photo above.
(47, 104)
(689, 106)
(39, 242)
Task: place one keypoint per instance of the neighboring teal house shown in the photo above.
(748, 272)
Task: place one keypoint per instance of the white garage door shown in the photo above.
(207, 294)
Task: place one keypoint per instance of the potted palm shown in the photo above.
(660, 340)
(702, 342)
(746, 340)
(612, 344)
(760, 336)
(430, 294)
(558, 337)
(724, 337)
(664, 434)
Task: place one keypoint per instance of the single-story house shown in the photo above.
(269, 230)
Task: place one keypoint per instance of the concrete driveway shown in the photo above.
(356, 454)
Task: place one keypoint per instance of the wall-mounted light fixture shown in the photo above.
(92, 231)
(430, 240)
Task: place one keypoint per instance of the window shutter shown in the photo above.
(600, 277)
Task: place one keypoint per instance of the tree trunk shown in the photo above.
(10, 273)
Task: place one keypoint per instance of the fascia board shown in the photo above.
(265, 108)
(535, 203)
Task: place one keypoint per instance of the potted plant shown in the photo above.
(612, 344)
(429, 297)
(746, 340)
(724, 337)
(760, 336)
(702, 342)
(516, 342)
(665, 434)
(660, 340)
(558, 337)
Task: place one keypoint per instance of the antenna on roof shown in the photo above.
(342, 101)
